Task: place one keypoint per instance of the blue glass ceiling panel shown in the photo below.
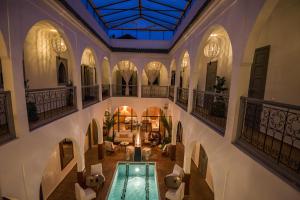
(139, 19)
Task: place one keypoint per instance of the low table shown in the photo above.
(124, 144)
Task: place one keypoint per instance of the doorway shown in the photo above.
(203, 160)
(259, 70)
(211, 76)
(179, 133)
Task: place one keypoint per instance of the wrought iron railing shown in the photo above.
(105, 91)
(171, 92)
(120, 91)
(90, 95)
(270, 131)
(7, 130)
(182, 97)
(155, 91)
(49, 104)
(211, 108)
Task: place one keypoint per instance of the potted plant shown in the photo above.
(168, 126)
(108, 124)
(219, 104)
(31, 106)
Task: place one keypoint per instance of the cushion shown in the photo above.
(173, 181)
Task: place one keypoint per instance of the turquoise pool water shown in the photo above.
(134, 181)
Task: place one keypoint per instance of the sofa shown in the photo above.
(124, 136)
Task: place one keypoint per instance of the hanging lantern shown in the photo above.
(92, 61)
(152, 71)
(212, 48)
(58, 44)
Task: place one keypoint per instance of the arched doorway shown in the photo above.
(125, 79)
(91, 136)
(155, 80)
(156, 125)
(179, 133)
(184, 81)
(213, 77)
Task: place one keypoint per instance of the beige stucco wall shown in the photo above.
(282, 31)
(235, 175)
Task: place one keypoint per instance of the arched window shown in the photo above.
(62, 71)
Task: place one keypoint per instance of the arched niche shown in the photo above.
(125, 119)
(125, 79)
(160, 77)
(184, 78)
(91, 135)
(209, 68)
(47, 52)
(88, 68)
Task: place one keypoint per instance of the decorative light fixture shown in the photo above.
(126, 69)
(58, 44)
(152, 71)
(212, 48)
(92, 61)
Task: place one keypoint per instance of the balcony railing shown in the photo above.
(270, 132)
(105, 91)
(49, 104)
(211, 108)
(155, 91)
(120, 91)
(182, 97)
(90, 95)
(7, 130)
(171, 93)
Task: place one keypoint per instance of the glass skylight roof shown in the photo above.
(139, 19)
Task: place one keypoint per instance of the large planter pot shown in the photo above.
(32, 112)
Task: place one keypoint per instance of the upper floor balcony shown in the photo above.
(90, 95)
(171, 92)
(124, 91)
(211, 108)
(155, 91)
(182, 97)
(105, 91)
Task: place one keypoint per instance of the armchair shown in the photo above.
(84, 194)
(175, 194)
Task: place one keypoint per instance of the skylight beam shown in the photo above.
(159, 19)
(153, 22)
(110, 4)
(118, 19)
(119, 11)
(166, 5)
(125, 22)
(153, 10)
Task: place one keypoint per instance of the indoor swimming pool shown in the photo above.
(134, 181)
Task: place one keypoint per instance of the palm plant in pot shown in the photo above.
(108, 124)
(219, 104)
(168, 126)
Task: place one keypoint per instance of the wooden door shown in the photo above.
(203, 160)
(211, 76)
(259, 72)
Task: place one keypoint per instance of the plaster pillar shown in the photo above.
(81, 171)
(187, 169)
(139, 86)
(173, 140)
(100, 143)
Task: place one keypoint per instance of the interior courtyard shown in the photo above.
(149, 99)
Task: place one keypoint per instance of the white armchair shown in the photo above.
(178, 171)
(173, 194)
(109, 146)
(84, 194)
(97, 170)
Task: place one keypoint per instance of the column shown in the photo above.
(100, 143)
(173, 140)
